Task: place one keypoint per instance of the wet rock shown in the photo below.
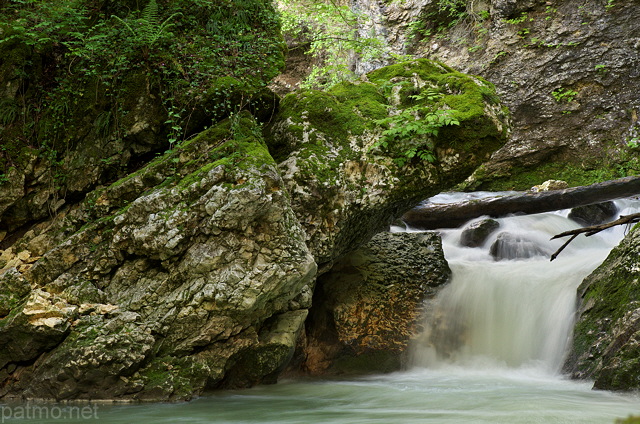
(599, 213)
(366, 309)
(606, 339)
(512, 246)
(476, 233)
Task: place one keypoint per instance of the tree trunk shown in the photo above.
(430, 216)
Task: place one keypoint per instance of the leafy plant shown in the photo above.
(335, 39)
(415, 127)
(601, 69)
(8, 111)
(564, 95)
(148, 29)
(515, 21)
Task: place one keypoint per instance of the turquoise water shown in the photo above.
(420, 396)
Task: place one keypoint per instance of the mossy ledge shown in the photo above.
(345, 182)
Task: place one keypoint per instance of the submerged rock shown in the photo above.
(606, 339)
(594, 214)
(366, 309)
(476, 233)
(512, 246)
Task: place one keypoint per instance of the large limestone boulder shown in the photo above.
(367, 308)
(606, 341)
(168, 281)
(347, 174)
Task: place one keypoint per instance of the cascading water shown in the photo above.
(514, 312)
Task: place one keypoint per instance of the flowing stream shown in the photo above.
(492, 350)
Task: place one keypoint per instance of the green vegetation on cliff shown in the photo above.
(79, 71)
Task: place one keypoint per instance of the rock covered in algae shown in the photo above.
(344, 183)
(606, 341)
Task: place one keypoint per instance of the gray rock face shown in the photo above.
(594, 214)
(567, 70)
(161, 298)
(606, 340)
(476, 233)
(366, 309)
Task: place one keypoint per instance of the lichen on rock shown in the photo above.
(206, 252)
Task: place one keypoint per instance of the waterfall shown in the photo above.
(516, 312)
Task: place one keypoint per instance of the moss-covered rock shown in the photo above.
(347, 180)
(197, 257)
(606, 341)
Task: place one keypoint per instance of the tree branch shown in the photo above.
(594, 229)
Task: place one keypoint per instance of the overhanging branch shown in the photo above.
(594, 229)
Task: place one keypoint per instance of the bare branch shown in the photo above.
(594, 229)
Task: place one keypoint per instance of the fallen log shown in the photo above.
(429, 216)
(594, 229)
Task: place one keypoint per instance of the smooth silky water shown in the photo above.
(491, 352)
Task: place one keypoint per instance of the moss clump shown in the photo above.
(317, 118)
(523, 178)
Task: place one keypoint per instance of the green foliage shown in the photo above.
(564, 95)
(148, 29)
(9, 111)
(446, 14)
(416, 126)
(334, 38)
(601, 69)
(516, 21)
(89, 61)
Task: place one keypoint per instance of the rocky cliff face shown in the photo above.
(567, 70)
(367, 308)
(159, 284)
(606, 341)
(197, 270)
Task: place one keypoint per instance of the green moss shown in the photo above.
(521, 178)
(608, 293)
(168, 377)
(424, 68)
